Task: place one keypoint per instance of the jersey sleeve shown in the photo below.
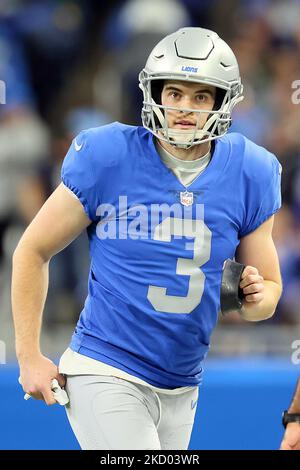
(263, 198)
(81, 175)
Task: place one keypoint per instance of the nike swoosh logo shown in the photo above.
(77, 146)
(193, 404)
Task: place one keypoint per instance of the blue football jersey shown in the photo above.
(157, 248)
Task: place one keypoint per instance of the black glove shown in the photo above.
(231, 294)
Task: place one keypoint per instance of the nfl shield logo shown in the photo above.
(186, 198)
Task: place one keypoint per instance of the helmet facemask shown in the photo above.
(154, 114)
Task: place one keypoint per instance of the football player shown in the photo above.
(164, 206)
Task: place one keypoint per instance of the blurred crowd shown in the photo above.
(68, 65)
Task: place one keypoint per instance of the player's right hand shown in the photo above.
(36, 374)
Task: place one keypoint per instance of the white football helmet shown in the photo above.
(191, 55)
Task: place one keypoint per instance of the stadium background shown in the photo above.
(70, 65)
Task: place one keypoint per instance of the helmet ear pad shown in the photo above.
(219, 99)
(156, 91)
(220, 95)
(218, 103)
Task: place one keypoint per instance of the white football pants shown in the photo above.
(107, 412)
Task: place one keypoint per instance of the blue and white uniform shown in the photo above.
(154, 284)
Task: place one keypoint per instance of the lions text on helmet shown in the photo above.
(197, 56)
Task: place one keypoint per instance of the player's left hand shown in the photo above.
(291, 439)
(252, 284)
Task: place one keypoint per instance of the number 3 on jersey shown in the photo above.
(196, 229)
